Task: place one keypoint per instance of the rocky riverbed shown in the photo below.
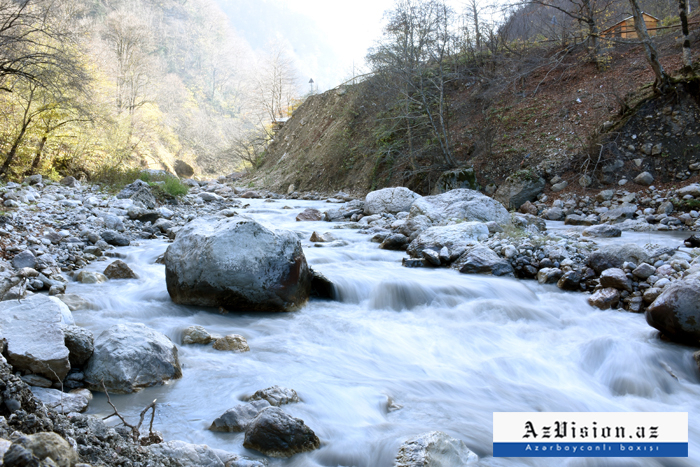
(55, 236)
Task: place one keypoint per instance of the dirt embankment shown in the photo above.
(563, 118)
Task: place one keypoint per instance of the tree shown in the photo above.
(276, 82)
(662, 82)
(686, 55)
(413, 61)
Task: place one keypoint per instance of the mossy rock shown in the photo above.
(464, 177)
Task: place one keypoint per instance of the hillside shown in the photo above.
(546, 109)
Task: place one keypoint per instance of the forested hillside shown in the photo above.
(93, 86)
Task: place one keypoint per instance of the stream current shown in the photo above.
(449, 348)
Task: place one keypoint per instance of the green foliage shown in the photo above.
(174, 187)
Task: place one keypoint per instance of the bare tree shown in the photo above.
(686, 55)
(662, 82)
(276, 82)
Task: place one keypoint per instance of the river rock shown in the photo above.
(394, 242)
(115, 238)
(549, 275)
(39, 449)
(35, 338)
(651, 294)
(131, 357)
(277, 434)
(605, 298)
(237, 263)
(434, 449)
(390, 200)
(80, 343)
(196, 335)
(696, 357)
(575, 219)
(571, 280)
(321, 286)
(462, 204)
(615, 278)
(232, 342)
(119, 270)
(456, 237)
(70, 182)
(139, 192)
(183, 169)
(482, 260)
(644, 271)
(276, 396)
(692, 190)
(602, 231)
(644, 178)
(676, 312)
(554, 214)
(614, 256)
(308, 215)
(25, 259)
(239, 417)
(89, 277)
(322, 238)
(618, 215)
(38, 381)
(200, 455)
(76, 400)
(519, 188)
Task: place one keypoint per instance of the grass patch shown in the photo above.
(164, 185)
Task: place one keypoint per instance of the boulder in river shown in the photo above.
(239, 417)
(232, 342)
(276, 396)
(390, 200)
(119, 270)
(434, 449)
(605, 298)
(196, 335)
(457, 237)
(482, 260)
(35, 338)
(602, 231)
(130, 357)
(676, 312)
(462, 204)
(238, 264)
(277, 434)
(614, 256)
(309, 215)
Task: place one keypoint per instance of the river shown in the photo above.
(449, 348)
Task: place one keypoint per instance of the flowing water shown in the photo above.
(450, 348)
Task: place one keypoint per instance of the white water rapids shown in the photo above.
(450, 348)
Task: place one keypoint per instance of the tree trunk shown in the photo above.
(687, 57)
(662, 82)
(13, 150)
(37, 157)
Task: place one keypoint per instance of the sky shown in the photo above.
(326, 36)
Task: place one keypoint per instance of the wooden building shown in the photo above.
(625, 28)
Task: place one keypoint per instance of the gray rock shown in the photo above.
(25, 259)
(33, 329)
(644, 271)
(644, 178)
(276, 396)
(232, 342)
(390, 200)
(528, 220)
(602, 231)
(518, 188)
(322, 238)
(89, 277)
(139, 192)
(43, 446)
(651, 294)
(482, 260)
(605, 298)
(605, 195)
(75, 302)
(113, 223)
(196, 335)
(676, 312)
(460, 204)
(665, 208)
(80, 343)
(183, 169)
(456, 237)
(119, 270)
(692, 190)
(570, 281)
(238, 264)
(553, 214)
(239, 417)
(575, 219)
(131, 357)
(615, 278)
(200, 455)
(276, 434)
(434, 449)
(70, 182)
(618, 215)
(394, 242)
(432, 257)
(464, 177)
(549, 275)
(559, 186)
(76, 400)
(38, 381)
(34, 179)
(614, 256)
(309, 215)
(114, 238)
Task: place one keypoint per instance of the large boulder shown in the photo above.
(676, 312)
(238, 264)
(33, 329)
(482, 260)
(519, 188)
(80, 343)
(390, 200)
(277, 434)
(119, 270)
(130, 357)
(434, 449)
(276, 396)
(183, 169)
(76, 400)
(455, 237)
(614, 256)
(461, 204)
(139, 192)
(239, 417)
(464, 177)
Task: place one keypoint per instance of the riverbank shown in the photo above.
(370, 286)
